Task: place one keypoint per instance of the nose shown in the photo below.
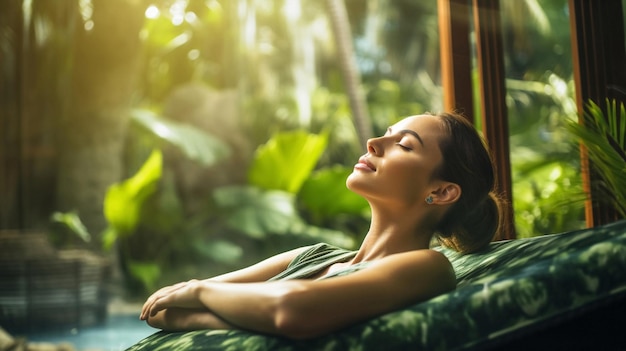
(374, 146)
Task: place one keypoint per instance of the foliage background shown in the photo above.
(244, 104)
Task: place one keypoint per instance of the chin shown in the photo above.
(352, 183)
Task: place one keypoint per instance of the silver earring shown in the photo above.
(429, 199)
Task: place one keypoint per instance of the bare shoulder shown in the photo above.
(426, 266)
(427, 257)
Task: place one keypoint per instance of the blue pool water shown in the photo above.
(116, 334)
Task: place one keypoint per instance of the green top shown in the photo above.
(317, 258)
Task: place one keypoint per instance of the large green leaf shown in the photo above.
(123, 201)
(325, 194)
(258, 212)
(219, 250)
(286, 160)
(193, 142)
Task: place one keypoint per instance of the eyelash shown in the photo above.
(404, 147)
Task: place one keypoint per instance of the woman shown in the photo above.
(428, 176)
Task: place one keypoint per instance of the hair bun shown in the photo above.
(477, 228)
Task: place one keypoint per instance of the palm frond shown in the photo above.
(604, 137)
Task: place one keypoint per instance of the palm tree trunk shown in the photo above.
(352, 80)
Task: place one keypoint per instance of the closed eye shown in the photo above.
(404, 147)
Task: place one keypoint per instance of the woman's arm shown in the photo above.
(201, 318)
(183, 319)
(308, 308)
(261, 271)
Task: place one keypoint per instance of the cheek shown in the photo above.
(405, 189)
(407, 173)
(409, 186)
(412, 181)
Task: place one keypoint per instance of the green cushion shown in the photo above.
(508, 288)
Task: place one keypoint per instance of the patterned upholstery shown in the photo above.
(510, 289)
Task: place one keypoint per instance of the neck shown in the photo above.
(394, 231)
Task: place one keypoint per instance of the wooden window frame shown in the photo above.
(599, 60)
(454, 29)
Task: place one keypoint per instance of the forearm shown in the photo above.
(261, 271)
(253, 306)
(182, 319)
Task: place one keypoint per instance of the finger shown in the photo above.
(179, 297)
(148, 312)
(149, 301)
(158, 294)
(159, 305)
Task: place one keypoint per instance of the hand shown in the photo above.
(181, 295)
(182, 319)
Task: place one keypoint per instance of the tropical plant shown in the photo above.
(602, 132)
(150, 228)
(147, 202)
(195, 144)
(268, 203)
(286, 160)
(123, 207)
(124, 200)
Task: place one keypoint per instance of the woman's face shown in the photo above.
(399, 165)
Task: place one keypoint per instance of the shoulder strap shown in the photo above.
(313, 260)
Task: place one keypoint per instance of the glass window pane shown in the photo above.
(547, 189)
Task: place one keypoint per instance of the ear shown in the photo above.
(447, 193)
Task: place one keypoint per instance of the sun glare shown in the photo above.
(152, 12)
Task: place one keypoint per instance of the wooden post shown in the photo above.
(490, 62)
(599, 57)
(456, 56)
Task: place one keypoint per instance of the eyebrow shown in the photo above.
(408, 131)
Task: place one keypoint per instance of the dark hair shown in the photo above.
(472, 222)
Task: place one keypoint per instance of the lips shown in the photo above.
(364, 164)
